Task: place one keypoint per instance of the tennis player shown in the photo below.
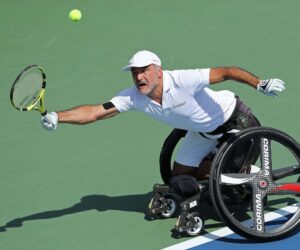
(182, 99)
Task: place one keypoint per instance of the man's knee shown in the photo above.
(200, 173)
(179, 169)
(184, 185)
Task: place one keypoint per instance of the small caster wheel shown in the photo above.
(171, 208)
(197, 229)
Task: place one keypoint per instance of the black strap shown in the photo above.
(108, 105)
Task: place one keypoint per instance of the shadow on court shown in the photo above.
(128, 203)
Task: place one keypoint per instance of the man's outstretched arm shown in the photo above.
(83, 114)
(268, 87)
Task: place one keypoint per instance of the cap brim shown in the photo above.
(127, 68)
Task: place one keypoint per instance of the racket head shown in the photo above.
(28, 89)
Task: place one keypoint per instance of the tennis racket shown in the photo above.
(28, 90)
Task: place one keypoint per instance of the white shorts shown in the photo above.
(194, 148)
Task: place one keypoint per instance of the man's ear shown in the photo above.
(160, 72)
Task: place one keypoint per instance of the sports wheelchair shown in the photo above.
(260, 201)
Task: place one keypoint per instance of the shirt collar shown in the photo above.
(166, 82)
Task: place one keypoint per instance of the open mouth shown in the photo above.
(141, 84)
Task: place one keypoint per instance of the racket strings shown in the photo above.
(27, 88)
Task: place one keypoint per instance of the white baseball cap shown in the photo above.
(142, 58)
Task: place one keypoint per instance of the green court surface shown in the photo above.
(87, 187)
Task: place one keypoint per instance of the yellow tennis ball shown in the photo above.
(75, 15)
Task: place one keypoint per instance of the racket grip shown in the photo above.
(44, 113)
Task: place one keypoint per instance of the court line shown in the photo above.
(200, 240)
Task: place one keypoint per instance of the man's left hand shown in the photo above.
(271, 86)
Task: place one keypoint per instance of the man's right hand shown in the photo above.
(271, 86)
(49, 121)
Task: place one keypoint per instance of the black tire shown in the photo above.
(254, 230)
(166, 153)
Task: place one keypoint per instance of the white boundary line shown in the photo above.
(200, 240)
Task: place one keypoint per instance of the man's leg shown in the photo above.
(191, 163)
(192, 155)
(200, 173)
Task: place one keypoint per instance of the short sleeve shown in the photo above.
(123, 101)
(194, 79)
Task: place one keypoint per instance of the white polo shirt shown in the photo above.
(187, 102)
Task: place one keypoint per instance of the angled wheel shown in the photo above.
(171, 209)
(275, 180)
(199, 225)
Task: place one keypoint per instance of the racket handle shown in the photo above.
(44, 113)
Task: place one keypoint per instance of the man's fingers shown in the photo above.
(277, 88)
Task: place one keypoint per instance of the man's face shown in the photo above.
(146, 78)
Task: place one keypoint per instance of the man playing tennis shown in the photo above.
(182, 99)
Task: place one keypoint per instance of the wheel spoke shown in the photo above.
(265, 156)
(258, 212)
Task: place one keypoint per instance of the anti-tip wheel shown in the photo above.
(200, 225)
(171, 209)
